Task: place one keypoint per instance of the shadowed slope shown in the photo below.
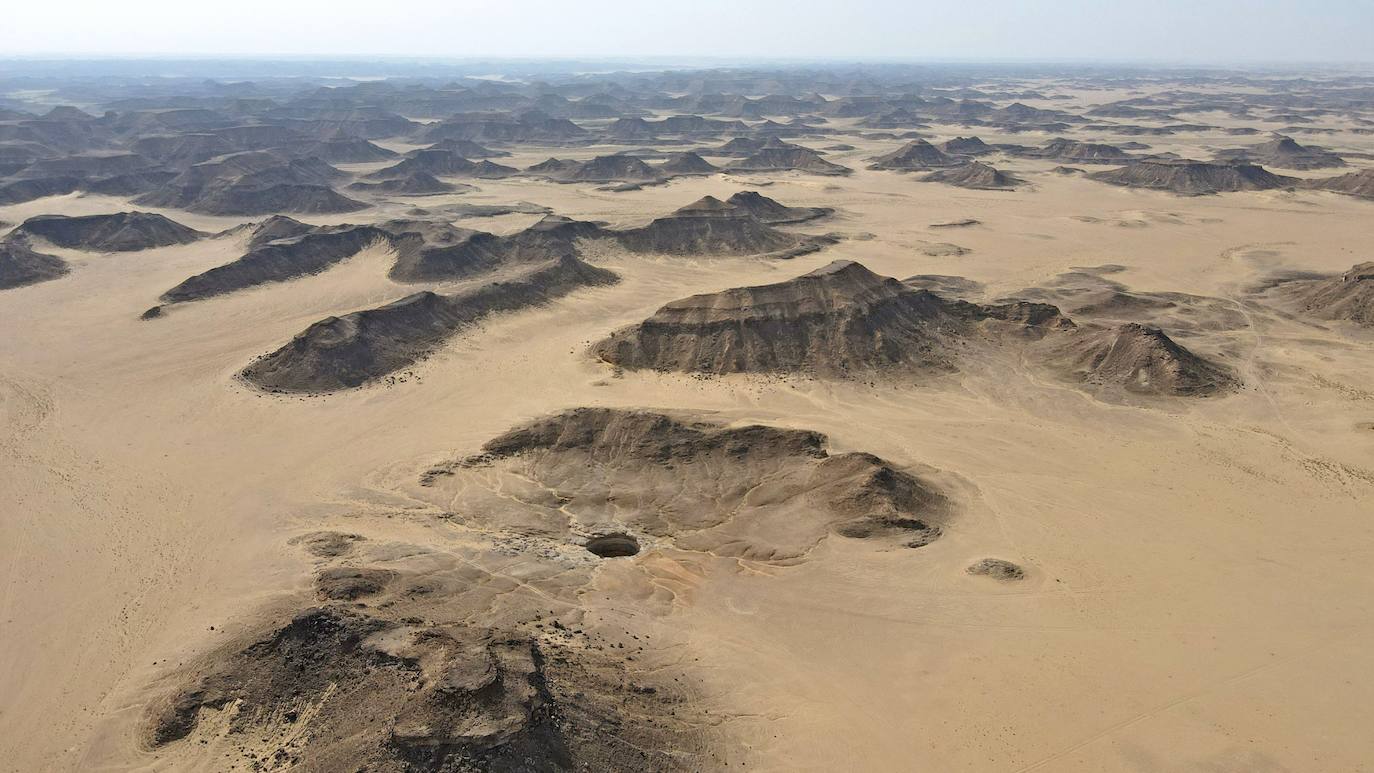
(1139, 359)
(119, 232)
(1193, 178)
(20, 265)
(348, 351)
(831, 322)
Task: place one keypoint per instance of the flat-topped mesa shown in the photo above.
(613, 168)
(118, 232)
(1139, 359)
(782, 159)
(748, 146)
(1284, 153)
(21, 265)
(347, 150)
(1075, 152)
(917, 154)
(479, 252)
(1193, 178)
(345, 352)
(616, 168)
(441, 163)
(1348, 296)
(250, 199)
(710, 226)
(976, 176)
(834, 321)
(412, 184)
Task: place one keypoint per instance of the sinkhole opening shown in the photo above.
(613, 545)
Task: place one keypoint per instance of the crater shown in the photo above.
(618, 545)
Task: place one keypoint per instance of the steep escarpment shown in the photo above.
(687, 163)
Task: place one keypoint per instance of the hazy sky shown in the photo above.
(1207, 31)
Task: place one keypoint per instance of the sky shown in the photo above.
(1157, 31)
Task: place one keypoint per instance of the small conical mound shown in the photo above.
(1142, 360)
(687, 163)
(707, 206)
(917, 154)
(975, 175)
(772, 212)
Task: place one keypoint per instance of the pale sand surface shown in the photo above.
(1198, 593)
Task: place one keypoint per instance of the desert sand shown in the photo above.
(1085, 580)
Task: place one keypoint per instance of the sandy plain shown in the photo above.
(1197, 593)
